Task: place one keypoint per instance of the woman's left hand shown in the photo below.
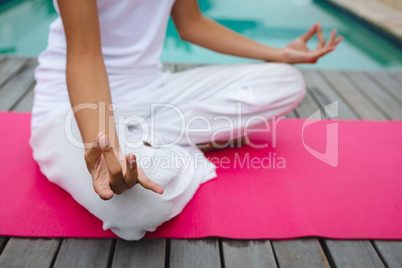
(298, 52)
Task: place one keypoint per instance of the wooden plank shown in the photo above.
(25, 252)
(360, 104)
(194, 253)
(184, 67)
(84, 253)
(308, 106)
(325, 94)
(391, 252)
(25, 103)
(143, 253)
(248, 253)
(15, 88)
(387, 82)
(305, 252)
(353, 253)
(397, 75)
(382, 99)
(292, 114)
(168, 67)
(9, 67)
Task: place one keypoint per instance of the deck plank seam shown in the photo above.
(221, 253)
(327, 252)
(4, 244)
(296, 113)
(275, 254)
(56, 253)
(167, 253)
(379, 253)
(112, 253)
(322, 253)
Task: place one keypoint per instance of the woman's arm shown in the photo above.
(88, 87)
(87, 80)
(197, 29)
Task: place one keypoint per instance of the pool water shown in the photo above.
(24, 28)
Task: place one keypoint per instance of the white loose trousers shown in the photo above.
(173, 114)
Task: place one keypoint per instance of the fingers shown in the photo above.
(113, 165)
(338, 40)
(325, 51)
(149, 184)
(331, 40)
(316, 54)
(307, 35)
(320, 36)
(92, 155)
(322, 48)
(316, 28)
(131, 177)
(117, 182)
(102, 188)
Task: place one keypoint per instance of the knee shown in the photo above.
(293, 83)
(131, 218)
(137, 211)
(276, 86)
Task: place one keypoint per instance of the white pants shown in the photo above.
(188, 108)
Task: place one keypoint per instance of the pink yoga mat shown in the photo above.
(294, 192)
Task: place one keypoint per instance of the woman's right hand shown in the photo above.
(112, 172)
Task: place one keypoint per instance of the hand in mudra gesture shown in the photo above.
(298, 52)
(112, 172)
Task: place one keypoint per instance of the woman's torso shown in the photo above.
(132, 36)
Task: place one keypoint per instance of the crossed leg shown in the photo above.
(206, 99)
(210, 107)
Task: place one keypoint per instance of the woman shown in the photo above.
(105, 50)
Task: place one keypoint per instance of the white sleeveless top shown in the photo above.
(132, 36)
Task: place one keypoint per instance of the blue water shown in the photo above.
(24, 28)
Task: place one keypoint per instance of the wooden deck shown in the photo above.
(361, 95)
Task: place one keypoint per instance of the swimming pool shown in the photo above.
(24, 28)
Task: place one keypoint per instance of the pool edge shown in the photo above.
(370, 24)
